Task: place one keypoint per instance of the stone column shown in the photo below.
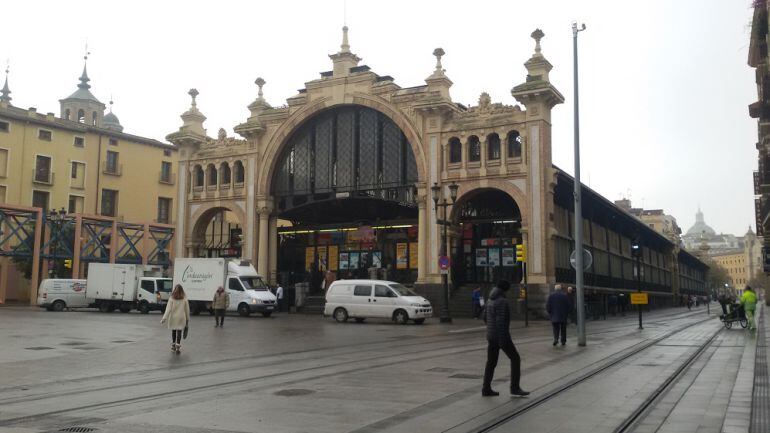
(422, 239)
(263, 254)
(181, 208)
(273, 250)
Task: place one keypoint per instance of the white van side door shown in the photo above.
(361, 301)
(383, 301)
(237, 293)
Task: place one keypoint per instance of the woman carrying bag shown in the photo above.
(178, 316)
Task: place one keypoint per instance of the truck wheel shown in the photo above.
(144, 307)
(58, 306)
(400, 317)
(267, 313)
(104, 307)
(244, 310)
(341, 315)
(124, 309)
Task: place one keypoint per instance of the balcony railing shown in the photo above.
(167, 178)
(114, 170)
(42, 177)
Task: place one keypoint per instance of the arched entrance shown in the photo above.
(489, 223)
(217, 233)
(344, 193)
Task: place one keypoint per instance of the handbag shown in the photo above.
(186, 328)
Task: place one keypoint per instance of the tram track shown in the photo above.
(628, 423)
(321, 371)
(258, 361)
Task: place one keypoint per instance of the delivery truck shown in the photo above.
(201, 277)
(126, 287)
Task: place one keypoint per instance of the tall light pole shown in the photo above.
(440, 201)
(579, 295)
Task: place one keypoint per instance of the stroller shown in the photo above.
(735, 314)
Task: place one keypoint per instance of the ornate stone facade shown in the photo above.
(488, 146)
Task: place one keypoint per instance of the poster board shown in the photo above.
(345, 260)
(509, 257)
(481, 257)
(354, 260)
(493, 257)
(402, 256)
(333, 257)
(309, 258)
(323, 264)
(414, 255)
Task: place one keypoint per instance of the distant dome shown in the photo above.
(700, 227)
(111, 122)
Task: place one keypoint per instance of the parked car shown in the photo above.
(362, 299)
(56, 294)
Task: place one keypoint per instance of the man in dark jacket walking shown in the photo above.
(498, 318)
(558, 307)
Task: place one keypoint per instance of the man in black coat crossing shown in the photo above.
(558, 307)
(498, 318)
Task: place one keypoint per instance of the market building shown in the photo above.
(343, 178)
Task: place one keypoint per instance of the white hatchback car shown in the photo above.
(362, 299)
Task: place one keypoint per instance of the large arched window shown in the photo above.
(455, 150)
(81, 116)
(346, 149)
(211, 174)
(198, 175)
(238, 172)
(474, 149)
(224, 169)
(493, 146)
(514, 144)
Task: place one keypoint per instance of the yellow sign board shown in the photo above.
(638, 299)
(413, 255)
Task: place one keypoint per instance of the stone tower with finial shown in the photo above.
(82, 106)
(5, 92)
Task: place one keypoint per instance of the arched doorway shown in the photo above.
(345, 196)
(217, 233)
(489, 223)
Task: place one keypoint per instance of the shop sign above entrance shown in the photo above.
(443, 264)
(362, 234)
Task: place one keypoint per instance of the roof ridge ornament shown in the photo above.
(345, 47)
(537, 35)
(84, 76)
(439, 53)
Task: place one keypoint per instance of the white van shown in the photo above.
(58, 293)
(361, 299)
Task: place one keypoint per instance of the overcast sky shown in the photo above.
(664, 84)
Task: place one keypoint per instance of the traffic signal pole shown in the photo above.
(526, 295)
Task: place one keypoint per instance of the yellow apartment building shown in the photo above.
(81, 161)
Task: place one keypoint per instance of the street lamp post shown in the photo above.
(440, 201)
(57, 220)
(581, 325)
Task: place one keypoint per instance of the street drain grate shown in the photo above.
(78, 429)
(465, 376)
(122, 341)
(39, 348)
(85, 348)
(441, 370)
(294, 392)
(73, 343)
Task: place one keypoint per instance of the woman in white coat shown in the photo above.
(177, 316)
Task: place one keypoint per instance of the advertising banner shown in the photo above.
(402, 256)
(414, 255)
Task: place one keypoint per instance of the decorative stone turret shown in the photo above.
(191, 131)
(537, 93)
(253, 125)
(438, 81)
(344, 59)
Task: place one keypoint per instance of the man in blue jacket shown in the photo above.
(558, 307)
(498, 318)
